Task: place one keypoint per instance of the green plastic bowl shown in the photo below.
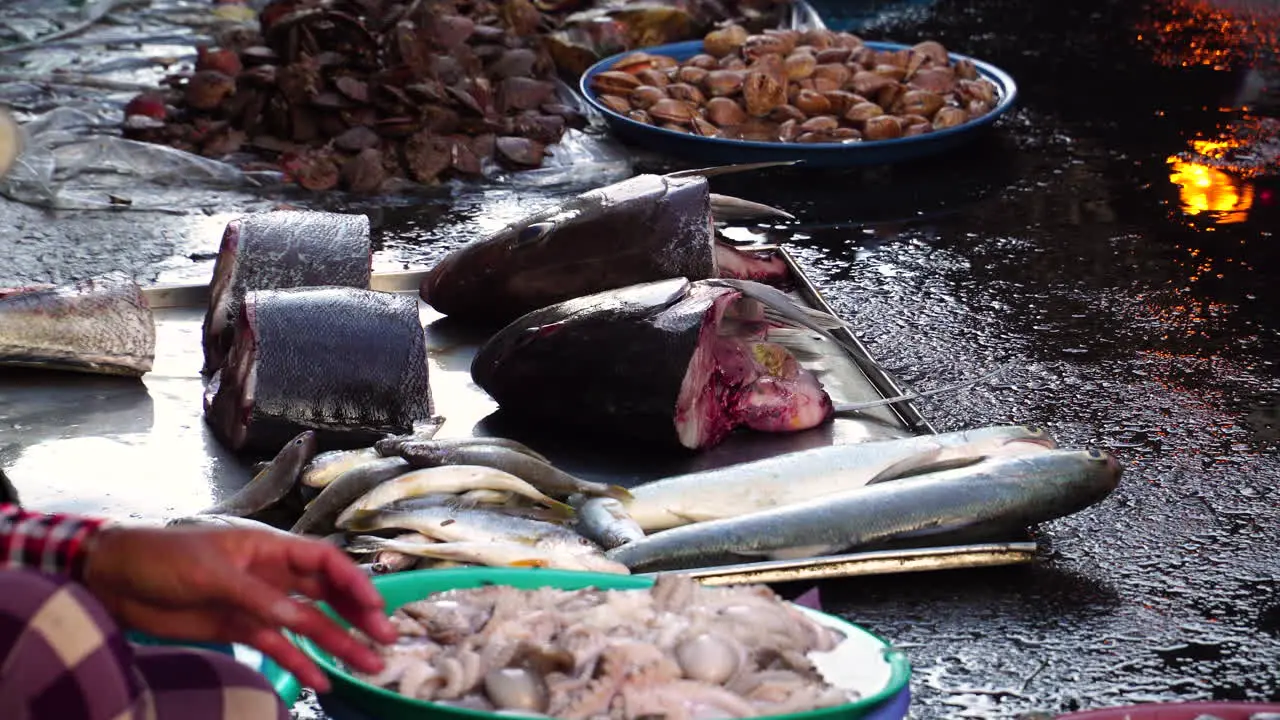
(400, 588)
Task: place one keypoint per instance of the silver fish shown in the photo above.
(322, 513)
(446, 524)
(444, 480)
(605, 520)
(393, 445)
(328, 466)
(493, 554)
(272, 484)
(818, 472)
(222, 521)
(538, 473)
(101, 325)
(1001, 494)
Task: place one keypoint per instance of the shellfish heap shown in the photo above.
(358, 93)
(791, 86)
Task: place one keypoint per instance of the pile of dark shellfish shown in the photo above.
(792, 86)
(357, 93)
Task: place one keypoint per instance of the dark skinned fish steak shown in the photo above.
(278, 250)
(102, 325)
(670, 362)
(646, 228)
(350, 364)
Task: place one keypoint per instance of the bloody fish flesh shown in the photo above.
(348, 363)
(278, 250)
(671, 361)
(650, 227)
(102, 325)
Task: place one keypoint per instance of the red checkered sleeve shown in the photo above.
(49, 543)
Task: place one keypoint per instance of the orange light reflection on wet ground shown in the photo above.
(1205, 189)
(1187, 33)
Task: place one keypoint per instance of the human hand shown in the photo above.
(233, 586)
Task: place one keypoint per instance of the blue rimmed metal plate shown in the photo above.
(727, 151)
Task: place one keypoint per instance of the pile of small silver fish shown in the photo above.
(676, 650)
(419, 501)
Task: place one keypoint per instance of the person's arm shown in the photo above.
(49, 543)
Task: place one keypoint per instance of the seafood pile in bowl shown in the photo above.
(737, 651)
(815, 86)
(345, 97)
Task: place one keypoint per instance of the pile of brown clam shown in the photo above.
(356, 93)
(792, 86)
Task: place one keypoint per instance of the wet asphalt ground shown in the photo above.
(1134, 301)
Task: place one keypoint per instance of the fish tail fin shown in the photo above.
(822, 320)
(780, 308)
(843, 408)
(793, 340)
(727, 207)
(708, 172)
(617, 492)
(562, 510)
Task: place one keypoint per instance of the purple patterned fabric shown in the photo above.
(62, 656)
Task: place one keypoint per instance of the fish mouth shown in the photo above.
(739, 377)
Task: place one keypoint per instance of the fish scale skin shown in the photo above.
(279, 250)
(647, 228)
(637, 345)
(340, 359)
(101, 325)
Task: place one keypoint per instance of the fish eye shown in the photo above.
(536, 231)
(1096, 454)
(1033, 429)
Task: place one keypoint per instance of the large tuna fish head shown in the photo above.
(647, 228)
(671, 361)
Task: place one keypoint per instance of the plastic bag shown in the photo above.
(69, 161)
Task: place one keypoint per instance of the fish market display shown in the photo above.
(674, 362)
(793, 86)
(102, 325)
(772, 482)
(413, 501)
(997, 495)
(278, 250)
(676, 650)
(646, 228)
(348, 363)
(363, 95)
